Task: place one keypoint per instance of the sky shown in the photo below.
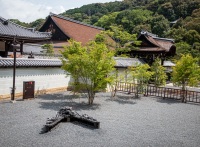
(30, 10)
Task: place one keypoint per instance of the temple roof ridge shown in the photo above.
(155, 36)
(75, 21)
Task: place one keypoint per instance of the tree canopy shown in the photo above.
(186, 72)
(142, 76)
(159, 76)
(89, 66)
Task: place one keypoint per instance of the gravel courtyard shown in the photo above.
(124, 122)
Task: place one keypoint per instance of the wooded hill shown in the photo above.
(177, 19)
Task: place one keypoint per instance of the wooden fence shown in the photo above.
(164, 92)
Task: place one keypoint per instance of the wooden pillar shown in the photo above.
(21, 48)
(7, 46)
(162, 59)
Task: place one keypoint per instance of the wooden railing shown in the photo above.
(164, 92)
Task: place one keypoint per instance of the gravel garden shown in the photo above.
(124, 122)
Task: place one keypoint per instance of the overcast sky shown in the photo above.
(30, 10)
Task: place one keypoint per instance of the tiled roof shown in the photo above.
(75, 21)
(21, 62)
(8, 62)
(9, 29)
(76, 30)
(155, 36)
(163, 44)
(127, 62)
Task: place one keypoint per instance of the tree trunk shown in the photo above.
(184, 93)
(114, 90)
(91, 97)
(137, 92)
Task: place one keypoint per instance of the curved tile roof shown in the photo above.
(9, 29)
(127, 62)
(73, 29)
(8, 62)
(78, 32)
(161, 44)
(21, 62)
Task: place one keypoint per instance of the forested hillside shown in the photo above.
(170, 9)
(178, 19)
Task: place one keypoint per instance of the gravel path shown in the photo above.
(124, 122)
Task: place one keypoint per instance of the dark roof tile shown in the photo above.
(76, 30)
(8, 62)
(127, 62)
(10, 30)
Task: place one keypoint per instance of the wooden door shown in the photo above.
(28, 89)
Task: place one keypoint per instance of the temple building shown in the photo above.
(152, 47)
(64, 28)
(11, 33)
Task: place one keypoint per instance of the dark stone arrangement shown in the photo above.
(66, 114)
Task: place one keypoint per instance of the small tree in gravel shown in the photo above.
(159, 76)
(142, 75)
(89, 66)
(186, 72)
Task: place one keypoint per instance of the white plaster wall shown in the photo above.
(45, 78)
(124, 75)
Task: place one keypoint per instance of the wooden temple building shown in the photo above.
(13, 34)
(152, 47)
(64, 28)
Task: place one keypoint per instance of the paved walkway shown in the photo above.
(124, 122)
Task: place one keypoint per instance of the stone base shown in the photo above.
(37, 93)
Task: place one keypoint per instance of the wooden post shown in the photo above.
(14, 70)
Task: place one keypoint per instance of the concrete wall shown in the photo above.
(46, 79)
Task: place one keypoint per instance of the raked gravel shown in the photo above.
(124, 122)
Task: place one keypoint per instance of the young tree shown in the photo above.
(159, 76)
(48, 49)
(118, 78)
(186, 72)
(142, 75)
(89, 66)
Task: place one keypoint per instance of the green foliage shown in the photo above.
(48, 49)
(142, 75)
(19, 22)
(159, 76)
(182, 48)
(159, 24)
(93, 12)
(122, 36)
(166, 9)
(186, 72)
(192, 22)
(89, 66)
(123, 39)
(107, 20)
(176, 33)
(105, 38)
(192, 36)
(37, 23)
(186, 41)
(129, 19)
